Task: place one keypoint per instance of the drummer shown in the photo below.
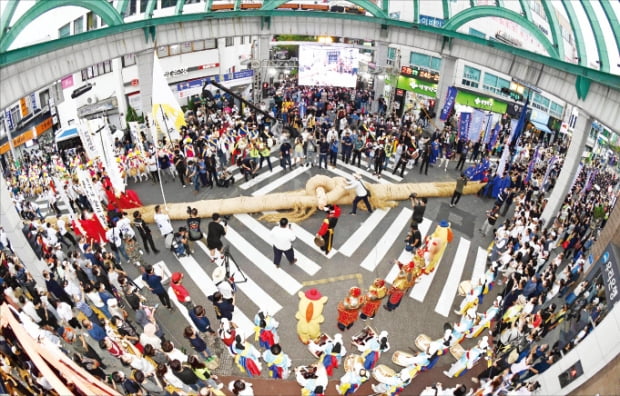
(327, 227)
(355, 375)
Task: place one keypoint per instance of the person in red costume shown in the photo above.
(376, 292)
(327, 227)
(349, 308)
(179, 290)
(93, 228)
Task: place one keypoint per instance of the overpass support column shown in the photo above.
(381, 57)
(12, 224)
(261, 54)
(446, 79)
(570, 166)
(144, 60)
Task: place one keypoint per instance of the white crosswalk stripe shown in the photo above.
(387, 240)
(405, 256)
(254, 256)
(480, 264)
(254, 292)
(261, 177)
(454, 278)
(347, 175)
(303, 262)
(385, 172)
(360, 235)
(280, 181)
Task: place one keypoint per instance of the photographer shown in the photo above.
(419, 207)
(215, 232)
(461, 182)
(193, 225)
(282, 237)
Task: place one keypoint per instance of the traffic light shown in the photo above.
(265, 89)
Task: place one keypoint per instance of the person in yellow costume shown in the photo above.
(310, 315)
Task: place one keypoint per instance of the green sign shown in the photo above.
(481, 102)
(418, 86)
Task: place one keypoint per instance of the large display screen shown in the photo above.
(328, 65)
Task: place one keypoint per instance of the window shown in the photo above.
(128, 60)
(175, 49)
(477, 33)
(44, 98)
(186, 47)
(64, 31)
(162, 51)
(241, 40)
(96, 70)
(391, 53)
(230, 41)
(143, 4)
(78, 25)
(84, 74)
(471, 77)
(540, 102)
(425, 61)
(91, 21)
(168, 3)
(556, 110)
(495, 84)
(210, 44)
(198, 45)
(133, 6)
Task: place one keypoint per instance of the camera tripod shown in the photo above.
(226, 262)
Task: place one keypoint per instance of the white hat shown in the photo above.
(219, 274)
(484, 343)
(471, 312)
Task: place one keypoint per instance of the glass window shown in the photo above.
(198, 45)
(143, 4)
(91, 21)
(162, 51)
(210, 44)
(84, 74)
(64, 31)
(186, 47)
(78, 25)
(391, 53)
(556, 110)
(107, 66)
(435, 63)
(471, 77)
(541, 101)
(168, 3)
(128, 60)
(175, 49)
(100, 69)
(90, 72)
(421, 60)
(241, 40)
(230, 41)
(133, 6)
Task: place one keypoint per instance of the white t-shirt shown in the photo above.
(282, 237)
(163, 223)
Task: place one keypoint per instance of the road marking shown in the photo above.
(280, 181)
(405, 256)
(454, 278)
(368, 174)
(358, 237)
(265, 264)
(480, 264)
(359, 277)
(198, 275)
(255, 293)
(259, 178)
(387, 240)
(349, 176)
(303, 262)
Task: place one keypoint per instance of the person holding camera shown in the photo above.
(419, 207)
(282, 237)
(215, 232)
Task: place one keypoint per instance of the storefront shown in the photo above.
(480, 102)
(415, 88)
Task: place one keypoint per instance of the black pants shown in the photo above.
(165, 299)
(147, 239)
(61, 239)
(277, 255)
(357, 154)
(461, 163)
(357, 199)
(424, 166)
(402, 164)
(455, 198)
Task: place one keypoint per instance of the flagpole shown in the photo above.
(161, 186)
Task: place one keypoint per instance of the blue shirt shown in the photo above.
(154, 282)
(202, 322)
(97, 332)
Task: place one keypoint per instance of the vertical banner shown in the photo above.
(530, 168)
(88, 140)
(89, 189)
(516, 133)
(494, 135)
(449, 104)
(475, 127)
(166, 111)
(513, 128)
(488, 128)
(464, 121)
(112, 161)
(549, 168)
(502, 162)
(134, 129)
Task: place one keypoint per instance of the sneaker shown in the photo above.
(352, 213)
(293, 262)
(451, 205)
(447, 374)
(475, 380)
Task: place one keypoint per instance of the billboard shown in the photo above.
(328, 65)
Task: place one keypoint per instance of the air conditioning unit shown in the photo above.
(255, 64)
(91, 99)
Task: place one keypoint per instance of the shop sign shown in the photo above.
(420, 74)
(609, 263)
(67, 82)
(175, 72)
(481, 102)
(417, 86)
(43, 126)
(240, 74)
(8, 119)
(431, 21)
(99, 107)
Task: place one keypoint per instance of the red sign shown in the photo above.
(67, 82)
(208, 66)
(135, 82)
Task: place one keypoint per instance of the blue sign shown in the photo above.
(8, 116)
(449, 104)
(240, 74)
(432, 21)
(196, 83)
(464, 121)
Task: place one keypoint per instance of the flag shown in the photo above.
(167, 113)
(112, 162)
(494, 136)
(516, 133)
(449, 104)
(475, 126)
(503, 160)
(464, 121)
(530, 168)
(549, 168)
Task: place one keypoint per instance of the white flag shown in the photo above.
(167, 113)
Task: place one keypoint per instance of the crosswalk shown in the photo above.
(374, 240)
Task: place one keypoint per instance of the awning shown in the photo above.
(66, 134)
(541, 127)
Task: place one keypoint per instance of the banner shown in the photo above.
(449, 104)
(494, 135)
(167, 113)
(502, 162)
(530, 168)
(93, 198)
(516, 133)
(134, 129)
(475, 127)
(112, 161)
(548, 171)
(464, 121)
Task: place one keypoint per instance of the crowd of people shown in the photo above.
(90, 308)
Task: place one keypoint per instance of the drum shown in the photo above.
(352, 362)
(422, 342)
(400, 358)
(457, 351)
(366, 334)
(465, 288)
(319, 241)
(383, 372)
